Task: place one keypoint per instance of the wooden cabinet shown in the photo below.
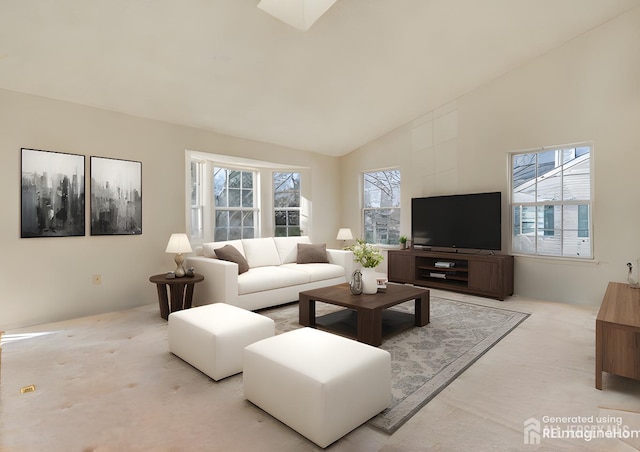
(477, 274)
(618, 333)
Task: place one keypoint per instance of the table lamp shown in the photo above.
(344, 234)
(179, 243)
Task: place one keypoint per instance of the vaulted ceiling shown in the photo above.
(363, 69)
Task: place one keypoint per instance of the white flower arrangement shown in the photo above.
(366, 254)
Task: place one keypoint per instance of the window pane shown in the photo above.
(528, 219)
(286, 202)
(247, 198)
(248, 219)
(294, 231)
(195, 183)
(247, 180)
(583, 221)
(220, 234)
(550, 244)
(234, 197)
(234, 179)
(235, 233)
(382, 189)
(235, 218)
(281, 217)
(222, 218)
(577, 181)
(196, 223)
(524, 169)
(382, 226)
(524, 243)
(220, 187)
(282, 200)
(546, 161)
(293, 217)
(575, 246)
(550, 188)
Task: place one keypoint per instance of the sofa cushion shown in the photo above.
(261, 252)
(288, 247)
(309, 254)
(230, 253)
(318, 272)
(270, 277)
(208, 249)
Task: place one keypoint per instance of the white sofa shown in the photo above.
(273, 278)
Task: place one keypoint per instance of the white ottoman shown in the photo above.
(212, 337)
(319, 384)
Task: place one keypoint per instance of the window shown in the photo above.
(381, 212)
(235, 208)
(197, 207)
(551, 194)
(286, 204)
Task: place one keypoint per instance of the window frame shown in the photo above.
(262, 190)
(541, 209)
(287, 227)
(254, 209)
(198, 206)
(366, 209)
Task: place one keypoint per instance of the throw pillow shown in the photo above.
(309, 253)
(231, 254)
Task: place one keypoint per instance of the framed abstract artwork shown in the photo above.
(116, 197)
(52, 194)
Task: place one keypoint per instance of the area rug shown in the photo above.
(425, 360)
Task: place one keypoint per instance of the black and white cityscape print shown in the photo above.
(116, 197)
(52, 194)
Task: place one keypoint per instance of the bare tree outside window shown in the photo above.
(235, 211)
(381, 212)
(286, 204)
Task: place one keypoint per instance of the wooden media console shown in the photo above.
(478, 274)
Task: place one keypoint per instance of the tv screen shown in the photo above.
(472, 221)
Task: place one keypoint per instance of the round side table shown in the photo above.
(181, 290)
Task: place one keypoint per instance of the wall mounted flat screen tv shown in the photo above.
(470, 221)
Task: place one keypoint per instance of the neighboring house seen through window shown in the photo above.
(551, 193)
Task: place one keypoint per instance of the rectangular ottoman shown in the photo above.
(319, 384)
(212, 337)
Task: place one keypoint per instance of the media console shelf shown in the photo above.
(477, 274)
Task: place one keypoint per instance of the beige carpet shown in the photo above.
(425, 360)
(108, 383)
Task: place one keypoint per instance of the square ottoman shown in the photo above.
(319, 384)
(212, 337)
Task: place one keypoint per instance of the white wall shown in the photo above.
(586, 90)
(50, 279)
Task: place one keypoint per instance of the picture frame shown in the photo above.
(52, 195)
(116, 196)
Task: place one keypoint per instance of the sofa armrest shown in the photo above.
(220, 283)
(343, 258)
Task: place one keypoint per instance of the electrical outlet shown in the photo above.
(97, 280)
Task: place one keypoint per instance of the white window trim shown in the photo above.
(542, 257)
(263, 191)
(363, 208)
(299, 208)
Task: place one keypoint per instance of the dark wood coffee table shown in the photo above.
(366, 318)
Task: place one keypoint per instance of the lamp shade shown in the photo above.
(344, 234)
(178, 243)
(300, 14)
